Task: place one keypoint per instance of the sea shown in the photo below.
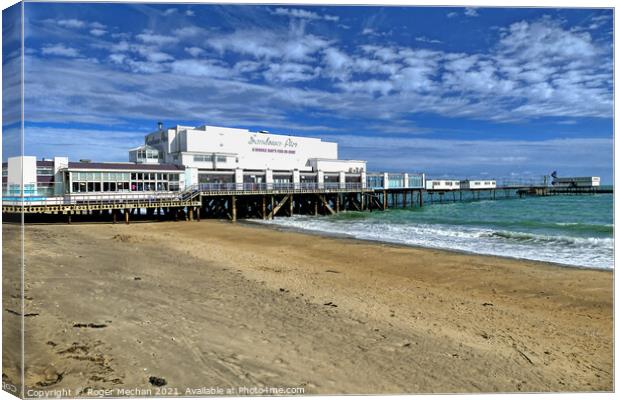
(567, 229)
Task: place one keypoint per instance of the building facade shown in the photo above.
(176, 158)
(442, 184)
(219, 148)
(478, 184)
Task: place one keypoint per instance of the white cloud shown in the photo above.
(189, 13)
(424, 39)
(201, 68)
(189, 31)
(260, 44)
(159, 40)
(452, 14)
(71, 23)
(471, 12)
(194, 51)
(117, 58)
(546, 39)
(303, 14)
(169, 11)
(158, 56)
(290, 72)
(338, 64)
(98, 32)
(146, 67)
(60, 50)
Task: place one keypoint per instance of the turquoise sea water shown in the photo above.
(570, 230)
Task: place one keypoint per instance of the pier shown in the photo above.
(235, 201)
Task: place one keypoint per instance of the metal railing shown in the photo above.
(98, 198)
(288, 186)
(523, 182)
(187, 194)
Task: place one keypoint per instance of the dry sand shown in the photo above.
(214, 304)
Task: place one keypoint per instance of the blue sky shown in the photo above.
(449, 91)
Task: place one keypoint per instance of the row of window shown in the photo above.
(92, 187)
(147, 154)
(99, 176)
(45, 171)
(123, 176)
(209, 158)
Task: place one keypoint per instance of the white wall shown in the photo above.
(60, 163)
(338, 165)
(442, 184)
(478, 184)
(21, 170)
(255, 150)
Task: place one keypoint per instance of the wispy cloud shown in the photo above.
(424, 39)
(71, 23)
(471, 12)
(60, 50)
(304, 14)
(98, 32)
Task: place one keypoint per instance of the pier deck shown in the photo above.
(247, 200)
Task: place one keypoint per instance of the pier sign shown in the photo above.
(269, 145)
(267, 141)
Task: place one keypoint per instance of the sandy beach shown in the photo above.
(215, 304)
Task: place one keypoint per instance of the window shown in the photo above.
(200, 158)
(45, 171)
(221, 159)
(5, 172)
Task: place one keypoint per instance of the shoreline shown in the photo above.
(339, 236)
(344, 236)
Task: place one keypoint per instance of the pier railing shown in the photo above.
(522, 183)
(287, 186)
(189, 194)
(91, 199)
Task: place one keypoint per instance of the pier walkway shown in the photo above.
(261, 200)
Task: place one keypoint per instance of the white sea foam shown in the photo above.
(575, 251)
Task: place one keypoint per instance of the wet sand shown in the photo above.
(217, 305)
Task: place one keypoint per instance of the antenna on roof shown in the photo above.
(160, 126)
